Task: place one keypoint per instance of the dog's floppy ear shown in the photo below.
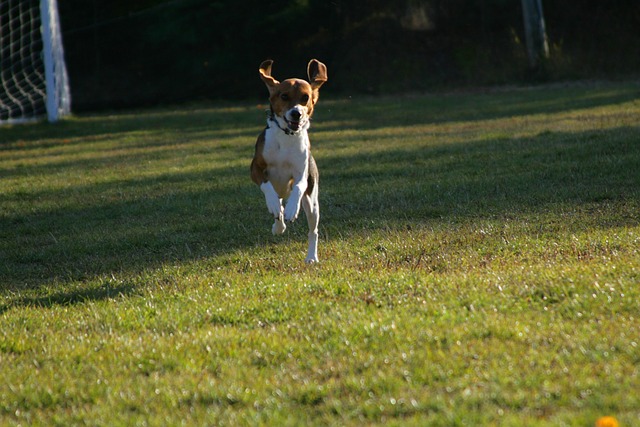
(265, 75)
(317, 73)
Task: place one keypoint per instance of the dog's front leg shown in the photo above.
(274, 204)
(293, 204)
(300, 178)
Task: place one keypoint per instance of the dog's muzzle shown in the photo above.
(295, 119)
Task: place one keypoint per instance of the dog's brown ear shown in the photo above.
(317, 73)
(265, 75)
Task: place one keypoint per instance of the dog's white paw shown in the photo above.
(275, 207)
(311, 260)
(278, 226)
(274, 204)
(291, 211)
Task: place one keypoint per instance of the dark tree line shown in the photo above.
(142, 52)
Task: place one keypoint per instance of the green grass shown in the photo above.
(479, 266)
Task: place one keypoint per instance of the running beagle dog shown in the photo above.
(282, 165)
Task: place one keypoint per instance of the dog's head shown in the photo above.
(292, 100)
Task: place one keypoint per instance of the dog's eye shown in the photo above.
(284, 97)
(304, 99)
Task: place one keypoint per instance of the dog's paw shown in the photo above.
(274, 204)
(291, 211)
(278, 226)
(311, 260)
(275, 207)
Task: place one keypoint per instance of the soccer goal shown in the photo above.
(33, 76)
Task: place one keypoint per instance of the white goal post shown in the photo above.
(33, 75)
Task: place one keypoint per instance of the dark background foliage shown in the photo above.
(126, 53)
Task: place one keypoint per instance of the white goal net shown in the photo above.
(33, 75)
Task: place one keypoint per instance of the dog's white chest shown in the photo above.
(287, 159)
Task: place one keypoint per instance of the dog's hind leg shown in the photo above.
(312, 211)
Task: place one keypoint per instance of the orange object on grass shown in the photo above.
(607, 422)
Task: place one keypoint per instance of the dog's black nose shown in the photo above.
(295, 114)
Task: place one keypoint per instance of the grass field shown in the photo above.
(479, 265)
